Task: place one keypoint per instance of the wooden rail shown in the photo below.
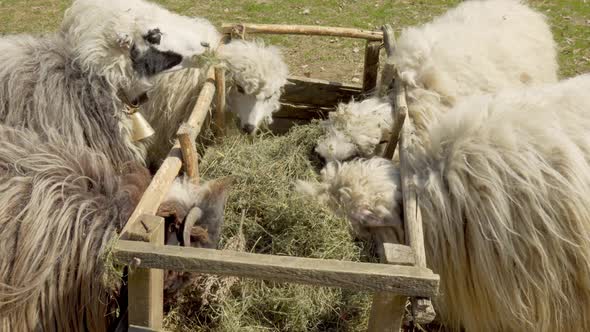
(308, 30)
(404, 280)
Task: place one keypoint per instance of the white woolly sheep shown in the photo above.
(77, 80)
(477, 47)
(255, 75)
(503, 182)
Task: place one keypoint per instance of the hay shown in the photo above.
(275, 221)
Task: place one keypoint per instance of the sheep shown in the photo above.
(476, 47)
(62, 204)
(503, 181)
(256, 75)
(84, 79)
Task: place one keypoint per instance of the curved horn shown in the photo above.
(191, 219)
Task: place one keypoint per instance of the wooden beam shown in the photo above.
(400, 112)
(161, 182)
(422, 308)
(371, 70)
(146, 286)
(309, 30)
(322, 93)
(220, 108)
(405, 280)
(186, 137)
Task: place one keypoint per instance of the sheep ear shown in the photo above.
(212, 204)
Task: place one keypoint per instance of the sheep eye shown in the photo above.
(241, 90)
(153, 36)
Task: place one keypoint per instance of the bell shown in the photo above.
(141, 129)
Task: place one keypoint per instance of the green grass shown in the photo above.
(329, 58)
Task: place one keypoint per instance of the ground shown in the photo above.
(329, 58)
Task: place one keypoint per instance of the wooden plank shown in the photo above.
(146, 286)
(404, 280)
(310, 91)
(309, 30)
(371, 70)
(161, 182)
(301, 111)
(186, 137)
(400, 112)
(422, 308)
(219, 115)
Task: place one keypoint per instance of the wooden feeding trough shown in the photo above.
(403, 273)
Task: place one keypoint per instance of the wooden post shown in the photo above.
(422, 309)
(219, 115)
(400, 111)
(388, 310)
(146, 286)
(186, 137)
(388, 72)
(371, 66)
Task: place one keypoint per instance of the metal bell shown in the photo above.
(141, 128)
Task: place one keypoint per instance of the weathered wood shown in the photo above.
(388, 72)
(219, 117)
(146, 286)
(387, 309)
(388, 39)
(422, 308)
(135, 328)
(400, 112)
(161, 182)
(309, 91)
(387, 312)
(398, 254)
(301, 111)
(404, 280)
(186, 138)
(309, 30)
(371, 70)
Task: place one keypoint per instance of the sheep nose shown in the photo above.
(249, 129)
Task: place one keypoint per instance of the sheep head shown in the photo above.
(365, 191)
(355, 130)
(258, 74)
(131, 41)
(195, 213)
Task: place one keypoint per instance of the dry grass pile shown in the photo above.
(266, 216)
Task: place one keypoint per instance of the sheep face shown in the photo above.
(366, 191)
(258, 75)
(126, 41)
(195, 213)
